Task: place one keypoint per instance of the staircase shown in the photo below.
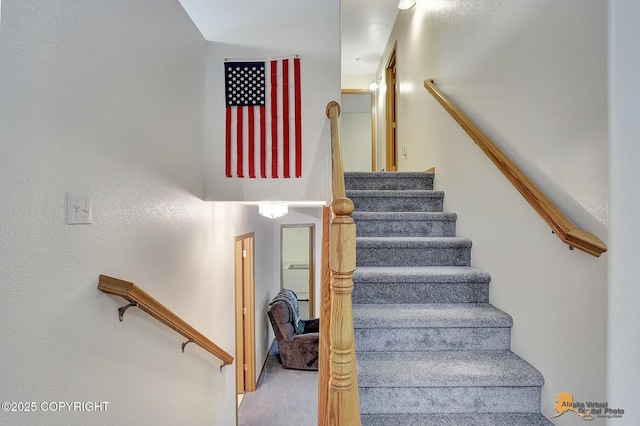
(430, 348)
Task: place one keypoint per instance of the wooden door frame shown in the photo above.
(374, 125)
(312, 235)
(244, 283)
(391, 113)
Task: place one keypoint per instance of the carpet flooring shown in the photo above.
(431, 350)
(283, 397)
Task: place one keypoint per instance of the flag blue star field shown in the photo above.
(263, 119)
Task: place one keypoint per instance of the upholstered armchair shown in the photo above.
(298, 346)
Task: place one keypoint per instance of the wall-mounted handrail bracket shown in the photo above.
(224, 365)
(137, 297)
(186, 343)
(123, 309)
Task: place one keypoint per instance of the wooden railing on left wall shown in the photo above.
(138, 297)
(343, 403)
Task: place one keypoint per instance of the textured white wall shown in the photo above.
(312, 30)
(624, 292)
(533, 76)
(355, 141)
(107, 98)
(266, 269)
(355, 131)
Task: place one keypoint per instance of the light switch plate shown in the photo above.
(78, 209)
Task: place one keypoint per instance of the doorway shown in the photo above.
(358, 130)
(297, 267)
(392, 113)
(245, 313)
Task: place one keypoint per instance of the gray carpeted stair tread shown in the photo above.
(397, 201)
(431, 419)
(450, 399)
(420, 274)
(384, 180)
(420, 292)
(412, 242)
(433, 339)
(385, 193)
(428, 284)
(406, 216)
(429, 315)
(413, 251)
(445, 369)
(390, 175)
(431, 327)
(394, 224)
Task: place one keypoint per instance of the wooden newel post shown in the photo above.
(344, 404)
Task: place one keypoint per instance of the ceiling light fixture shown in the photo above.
(406, 4)
(273, 210)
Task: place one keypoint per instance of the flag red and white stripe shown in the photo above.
(264, 138)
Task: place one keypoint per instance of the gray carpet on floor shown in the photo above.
(283, 397)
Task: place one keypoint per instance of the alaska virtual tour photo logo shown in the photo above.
(588, 410)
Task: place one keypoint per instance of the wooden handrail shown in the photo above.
(560, 224)
(134, 294)
(343, 407)
(333, 112)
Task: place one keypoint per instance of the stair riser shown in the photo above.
(450, 400)
(389, 182)
(466, 419)
(413, 256)
(397, 204)
(432, 339)
(401, 293)
(404, 228)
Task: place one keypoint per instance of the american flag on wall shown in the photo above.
(263, 119)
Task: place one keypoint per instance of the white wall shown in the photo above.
(624, 292)
(355, 141)
(355, 131)
(295, 246)
(295, 251)
(533, 76)
(381, 124)
(312, 30)
(107, 98)
(356, 81)
(267, 274)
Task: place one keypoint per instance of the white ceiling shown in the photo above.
(366, 24)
